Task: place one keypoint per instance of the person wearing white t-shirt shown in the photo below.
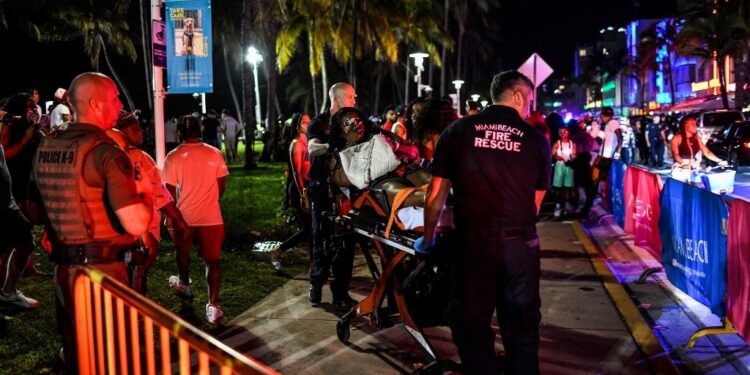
(61, 113)
(231, 130)
(610, 149)
(196, 175)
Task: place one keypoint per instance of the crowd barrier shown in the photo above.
(119, 331)
(702, 239)
(642, 209)
(738, 267)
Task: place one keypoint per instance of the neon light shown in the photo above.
(608, 86)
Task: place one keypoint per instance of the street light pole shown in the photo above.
(254, 58)
(158, 87)
(419, 64)
(457, 84)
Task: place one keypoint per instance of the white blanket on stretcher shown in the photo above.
(413, 217)
(367, 161)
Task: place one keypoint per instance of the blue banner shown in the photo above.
(189, 58)
(617, 191)
(694, 238)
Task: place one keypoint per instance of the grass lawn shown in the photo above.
(251, 208)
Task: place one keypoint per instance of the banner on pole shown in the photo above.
(159, 43)
(693, 231)
(738, 267)
(189, 57)
(642, 208)
(617, 191)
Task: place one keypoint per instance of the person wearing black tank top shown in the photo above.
(687, 144)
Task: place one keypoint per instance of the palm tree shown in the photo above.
(714, 31)
(20, 12)
(226, 14)
(100, 26)
(145, 17)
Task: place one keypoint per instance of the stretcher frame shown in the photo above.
(386, 281)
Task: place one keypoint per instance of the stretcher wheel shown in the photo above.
(342, 330)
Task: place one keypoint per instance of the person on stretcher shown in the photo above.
(384, 162)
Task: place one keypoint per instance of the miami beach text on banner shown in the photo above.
(694, 237)
(189, 58)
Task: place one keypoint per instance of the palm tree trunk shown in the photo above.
(146, 56)
(324, 82)
(378, 79)
(353, 57)
(396, 82)
(270, 63)
(723, 83)
(310, 44)
(117, 79)
(229, 79)
(444, 53)
(247, 87)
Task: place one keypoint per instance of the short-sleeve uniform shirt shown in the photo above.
(495, 162)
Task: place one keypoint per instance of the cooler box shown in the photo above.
(720, 182)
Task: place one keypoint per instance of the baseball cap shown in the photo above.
(607, 111)
(61, 94)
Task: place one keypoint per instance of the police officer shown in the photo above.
(498, 167)
(323, 253)
(85, 188)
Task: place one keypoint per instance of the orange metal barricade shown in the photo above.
(117, 329)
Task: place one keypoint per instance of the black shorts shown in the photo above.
(15, 228)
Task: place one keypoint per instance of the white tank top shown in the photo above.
(565, 150)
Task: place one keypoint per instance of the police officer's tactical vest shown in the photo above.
(75, 210)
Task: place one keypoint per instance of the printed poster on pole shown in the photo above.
(189, 44)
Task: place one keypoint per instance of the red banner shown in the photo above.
(738, 267)
(642, 208)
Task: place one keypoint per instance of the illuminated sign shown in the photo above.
(663, 97)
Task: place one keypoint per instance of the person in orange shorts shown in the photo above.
(195, 174)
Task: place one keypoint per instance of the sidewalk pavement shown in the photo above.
(670, 314)
(581, 331)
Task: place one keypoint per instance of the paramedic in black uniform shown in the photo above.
(498, 167)
(324, 254)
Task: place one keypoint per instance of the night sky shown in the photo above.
(552, 28)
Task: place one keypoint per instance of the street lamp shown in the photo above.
(457, 84)
(254, 58)
(419, 64)
(201, 97)
(475, 97)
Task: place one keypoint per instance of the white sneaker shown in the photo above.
(19, 300)
(181, 290)
(557, 211)
(213, 313)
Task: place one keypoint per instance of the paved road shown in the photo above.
(581, 331)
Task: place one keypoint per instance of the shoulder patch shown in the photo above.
(123, 162)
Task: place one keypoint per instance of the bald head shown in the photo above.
(342, 95)
(94, 98)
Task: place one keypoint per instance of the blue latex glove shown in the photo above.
(422, 247)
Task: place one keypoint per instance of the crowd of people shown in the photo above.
(85, 174)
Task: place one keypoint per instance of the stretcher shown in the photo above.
(409, 282)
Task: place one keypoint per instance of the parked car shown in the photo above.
(732, 143)
(710, 122)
